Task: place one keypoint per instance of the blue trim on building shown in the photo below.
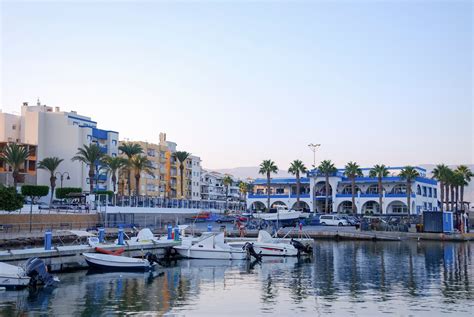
(344, 180)
(81, 119)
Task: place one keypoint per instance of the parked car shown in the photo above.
(332, 220)
(223, 219)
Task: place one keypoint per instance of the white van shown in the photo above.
(332, 220)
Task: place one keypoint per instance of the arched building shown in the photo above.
(424, 193)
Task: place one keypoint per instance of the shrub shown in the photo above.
(104, 192)
(10, 200)
(62, 193)
(34, 191)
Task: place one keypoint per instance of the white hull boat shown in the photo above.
(281, 214)
(13, 277)
(109, 262)
(268, 246)
(210, 246)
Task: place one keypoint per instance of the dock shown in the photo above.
(64, 258)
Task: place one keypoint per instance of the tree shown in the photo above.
(440, 173)
(297, 167)
(466, 174)
(458, 182)
(379, 171)
(181, 156)
(227, 181)
(130, 149)
(89, 155)
(140, 163)
(409, 174)
(34, 192)
(10, 200)
(352, 170)
(327, 168)
(268, 167)
(243, 189)
(15, 155)
(113, 165)
(50, 164)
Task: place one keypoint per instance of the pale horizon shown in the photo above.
(235, 83)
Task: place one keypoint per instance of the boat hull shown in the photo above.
(211, 254)
(14, 282)
(274, 249)
(114, 264)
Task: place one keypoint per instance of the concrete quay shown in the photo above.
(63, 258)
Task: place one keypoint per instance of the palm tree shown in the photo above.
(440, 173)
(15, 155)
(379, 171)
(113, 165)
(140, 163)
(409, 174)
(181, 156)
(243, 189)
(466, 174)
(130, 149)
(447, 189)
(458, 181)
(50, 164)
(227, 181)
(89, 155)
(327, 168)
(296, 168)
(267, 167)
(352, 170)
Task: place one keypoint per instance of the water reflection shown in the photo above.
(342, 277)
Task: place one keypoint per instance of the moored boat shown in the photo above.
(268, 246)
(210, 246)
(13, 277)
(108, 262)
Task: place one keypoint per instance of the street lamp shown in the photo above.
(61, 177)
(314, 147)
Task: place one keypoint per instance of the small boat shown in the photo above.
(280, 214)
(268, 246)
(34, 274)
(143, 236)
(210, 246)
(108, 262)
(13, 277)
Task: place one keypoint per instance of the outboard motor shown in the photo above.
(308, 249)
(152, 258)
(38, 273)
(251, 251)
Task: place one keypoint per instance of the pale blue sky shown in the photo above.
(237, 82)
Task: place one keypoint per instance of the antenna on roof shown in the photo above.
(38, 103)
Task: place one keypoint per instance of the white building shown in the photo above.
(59, 133)
(195, 177)
(213, 188)
(313, 193)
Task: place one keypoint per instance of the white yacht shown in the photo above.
(210, 246)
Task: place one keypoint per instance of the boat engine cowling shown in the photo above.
(152, 258)
(36, 269)
(305, 248)
(251, 251)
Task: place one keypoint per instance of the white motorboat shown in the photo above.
(268, 246)
(33, 274)
(210, 246)
(108, 262)
(13, 277)
(280, 214)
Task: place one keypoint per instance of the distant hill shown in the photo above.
(252, 172)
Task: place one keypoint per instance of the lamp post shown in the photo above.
(314, 147)
(61, 177)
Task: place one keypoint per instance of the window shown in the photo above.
(418, 190)
(280, 191)
(424, 191)
(14, 127)
(114, 142)
(435, 193)
(430, 192)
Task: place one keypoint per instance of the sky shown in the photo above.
(236, 82)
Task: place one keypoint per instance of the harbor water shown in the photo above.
(361, 278)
